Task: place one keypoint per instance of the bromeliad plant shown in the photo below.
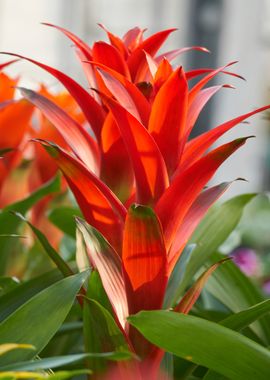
(139, 180)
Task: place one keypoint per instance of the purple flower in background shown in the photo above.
(266, 286)
(247, 260)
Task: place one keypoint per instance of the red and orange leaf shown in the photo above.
(196, 147)
(109, 56)
(191, 296)
(151, 45)
(144, 260)
(168, 118)
(186, 187)
(126, 93)
(77, 138)
(133, 38)
(163, 73)
(91, 109)
(193, 217)
(99, 205)
(116, 167)
(108, 263)
(149, 168)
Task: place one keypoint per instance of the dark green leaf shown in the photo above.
(205, 343)
(36, 321)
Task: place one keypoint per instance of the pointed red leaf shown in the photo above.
(6, 64)
(77, 138)
(149, 168)
(127, 94)
(76, 40)
(144, 265)
(133, 38)
(109, 56)
(186, 187)
(196, 147)
(98, 204)
(108, 263)
(194, 91)
(193, 217)
(197, 105)
(151, 45)
(170, 55)
(91, 109)
(197, 72)
(168, 118)
(116, 168)
(116, 41)
(191, 296)
(163, 72)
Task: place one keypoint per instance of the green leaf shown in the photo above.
(8, 283)
(172, 294)
(60, 361)
(205, 343)
(63, 218)
(51, 252)
(4, 348)
(231, 287)
(36, 321)
(12, 300)
(101, 333)
(9, 224)
(217, 225)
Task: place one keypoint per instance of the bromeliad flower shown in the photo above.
(137, 177)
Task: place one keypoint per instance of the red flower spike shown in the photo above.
(193, 217)
(109, 56)
(116, 42)
(133, 38)
(144, 265)
(14, 123)
(126, 93)
(196, 147)
(77, 138)
(185, 188)
(189, 299)
(99, 205)
(151, 45)
(108, 263)
(168, 118)
(149, 168)
(91, 109)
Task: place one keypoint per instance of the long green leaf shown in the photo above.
(60, 361)
(205, 343)
(36, 321)
(9, 224)
(51, 252)
(217, 225)
(63, 218)
(12, 300)
(231, 287)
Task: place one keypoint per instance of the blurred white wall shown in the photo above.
(245, 36)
